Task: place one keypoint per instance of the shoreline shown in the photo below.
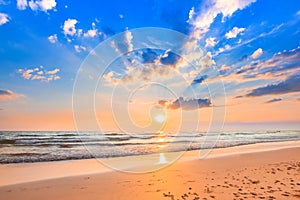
(272, 174)
(20, 173)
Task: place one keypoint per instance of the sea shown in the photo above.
(40, 146)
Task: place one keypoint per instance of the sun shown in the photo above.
(160, 118)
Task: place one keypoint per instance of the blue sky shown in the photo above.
(253, 44)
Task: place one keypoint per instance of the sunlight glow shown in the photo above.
(160, 118)
(162, 159)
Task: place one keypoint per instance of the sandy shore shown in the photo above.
(260, 171)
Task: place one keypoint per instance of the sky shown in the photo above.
(235, 62)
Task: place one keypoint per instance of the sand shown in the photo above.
(261, 171)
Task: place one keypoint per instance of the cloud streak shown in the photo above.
(185, 104)
(290, 85)
(281, 65)
(8, 94)
(273, 100)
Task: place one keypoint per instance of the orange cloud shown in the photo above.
(8, 94)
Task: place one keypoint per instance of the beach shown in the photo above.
(255, 171)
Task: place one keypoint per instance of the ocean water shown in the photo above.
(37, 146)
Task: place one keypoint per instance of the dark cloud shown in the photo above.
(163, 102)
(286, 60)
(169, 59)
(149, 56)
(245, 69)
(274, 100)
(199, 79)
(5, 92)
(243, 58)
(185, 104)
(291, 84)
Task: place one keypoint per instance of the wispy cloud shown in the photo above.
(234, 32)
(290, 85)
(274, 30)
(79, 48)
(4, 2)
(286, 62)
(4, 18)
(210, 42)
(53, 38)
(8, 94)
(274, 100)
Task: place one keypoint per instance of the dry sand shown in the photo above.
(272, 171)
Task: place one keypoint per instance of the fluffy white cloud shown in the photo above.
(257, 53)
(212, 8)
(79, 48)
(69, 27)
(210, 42)
(22, 4)
(234, 32)
(4, 18)
(91, 33)
(39, 73)
(43, 5)
(109, 77)
(54, 71)
(52, 38)
(207, 61)
(26, 74)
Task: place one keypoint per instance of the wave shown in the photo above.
(49, 146)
